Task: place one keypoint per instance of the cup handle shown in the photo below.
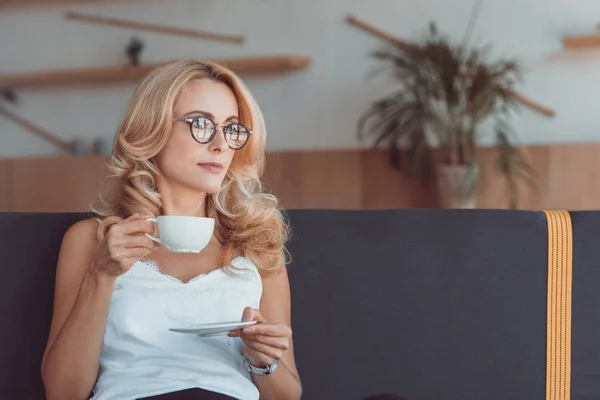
(157, 240)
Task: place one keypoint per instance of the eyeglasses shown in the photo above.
(204, 129)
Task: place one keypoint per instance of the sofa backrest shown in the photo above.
(29, 245)
(431, 304)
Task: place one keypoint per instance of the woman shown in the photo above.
(191, 143)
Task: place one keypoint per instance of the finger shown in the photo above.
(252, 314)
(237, 333)
(132, 241)
(281, 343)
(268, 351)
(137, 227)
(134, 217)
(136, 253)
(131, 217)
(258, 359)
(281, 330)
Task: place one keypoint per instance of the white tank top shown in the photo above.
(141, 357)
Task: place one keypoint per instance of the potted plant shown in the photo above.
(448, 98)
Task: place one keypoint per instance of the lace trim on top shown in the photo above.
(156, 267)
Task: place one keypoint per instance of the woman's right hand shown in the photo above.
(123, 245)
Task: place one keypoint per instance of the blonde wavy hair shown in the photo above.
(248, 222)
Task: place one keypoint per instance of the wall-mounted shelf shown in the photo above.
(145, 26)
(8, 4)
(581, 42)
(254, 65)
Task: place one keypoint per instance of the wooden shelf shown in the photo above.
(10, 4)
(145, 26)
(256, 65)
(581, 42)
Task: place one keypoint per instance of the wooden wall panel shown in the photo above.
(573, 179)
(4, 186)
(283, 176)
(59, 184)
(494, 191)
(353, 179)
(331, 180)
(569, 178)
(320, 179)
(383, 187)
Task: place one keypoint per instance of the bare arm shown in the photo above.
(272, 339)
(85, 277)
(81, 302)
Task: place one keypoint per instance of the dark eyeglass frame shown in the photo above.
(190, 122)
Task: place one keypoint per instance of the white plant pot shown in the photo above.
(450, 181)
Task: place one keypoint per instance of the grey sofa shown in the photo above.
(430, 304)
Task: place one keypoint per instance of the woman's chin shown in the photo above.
(208, 188)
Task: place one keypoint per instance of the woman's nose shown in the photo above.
(218, 144)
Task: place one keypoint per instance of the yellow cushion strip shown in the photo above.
(560, 282)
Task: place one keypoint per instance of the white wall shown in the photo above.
(312, 109)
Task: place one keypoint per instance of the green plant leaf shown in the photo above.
(447, 95)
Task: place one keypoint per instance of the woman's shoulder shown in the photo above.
(78, 245)
(85, 225)
(83, 231)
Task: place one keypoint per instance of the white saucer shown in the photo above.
(214, 328)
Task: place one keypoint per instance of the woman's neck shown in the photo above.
(183, 201)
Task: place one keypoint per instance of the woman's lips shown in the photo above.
(213, 167)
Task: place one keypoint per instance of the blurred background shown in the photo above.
(369, 104)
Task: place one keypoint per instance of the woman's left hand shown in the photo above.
(264, 342)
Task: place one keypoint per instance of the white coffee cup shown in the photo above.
(183, 234)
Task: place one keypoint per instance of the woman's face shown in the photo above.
(183, 161)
